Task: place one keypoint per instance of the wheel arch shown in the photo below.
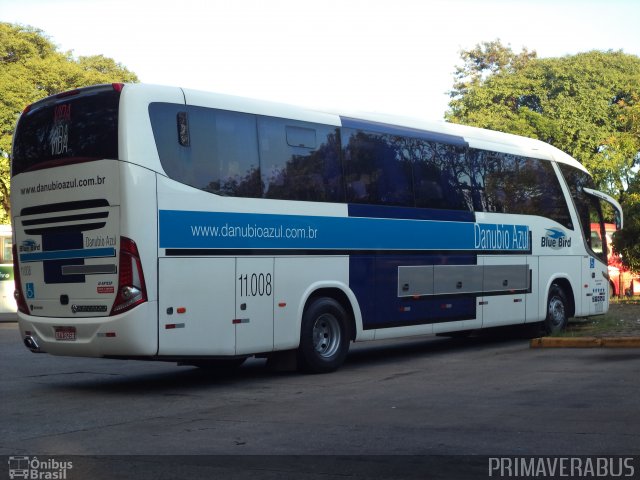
(345, 298)
(566, 287)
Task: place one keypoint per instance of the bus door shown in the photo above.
(595, 275)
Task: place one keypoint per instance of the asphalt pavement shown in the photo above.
(434, 403)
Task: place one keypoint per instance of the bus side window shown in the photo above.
(435, 175)
(508, 183)
(210, 149)
(229, 162)
(376, 170)
(299, 160)
(175, 158)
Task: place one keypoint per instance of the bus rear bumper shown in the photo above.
(130, 334)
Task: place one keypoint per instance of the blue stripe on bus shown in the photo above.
(218, 230)
(68, 254)
(379, 127)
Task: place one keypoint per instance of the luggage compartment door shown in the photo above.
(196, 302)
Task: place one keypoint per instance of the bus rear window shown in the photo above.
(75, 127)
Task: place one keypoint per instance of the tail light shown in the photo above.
(132, 290)
(18, 293)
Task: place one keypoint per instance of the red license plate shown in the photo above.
(66, 334)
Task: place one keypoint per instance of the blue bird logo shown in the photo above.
(555, 233)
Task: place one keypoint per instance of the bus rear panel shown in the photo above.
(77, 276)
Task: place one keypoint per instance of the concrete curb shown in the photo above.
(585, 342)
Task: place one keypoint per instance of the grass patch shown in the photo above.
(599, 326)
(624, 301)
(623, 319)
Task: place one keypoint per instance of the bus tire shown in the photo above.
(557, 308)
(324, 341)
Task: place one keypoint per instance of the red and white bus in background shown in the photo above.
(622, 281)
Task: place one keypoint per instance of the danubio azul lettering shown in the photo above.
(501, 237)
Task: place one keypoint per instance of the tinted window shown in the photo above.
(220, 155)
(300, 160)
(377, 170)
(513, 184)
(389, 169)
(73, 127)
(441, 175)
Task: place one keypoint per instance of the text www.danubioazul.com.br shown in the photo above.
(254, 231)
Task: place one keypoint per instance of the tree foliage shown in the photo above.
(587, 105)
(584, 104)
(483, 60)
(31, 68)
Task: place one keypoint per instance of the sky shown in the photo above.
(393, 56)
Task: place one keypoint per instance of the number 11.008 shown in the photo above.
(255, 284)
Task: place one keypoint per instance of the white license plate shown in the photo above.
(66, 334)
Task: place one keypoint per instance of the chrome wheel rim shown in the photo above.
(326, 335)
(556, 312)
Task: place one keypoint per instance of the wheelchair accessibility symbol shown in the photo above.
(31, 293)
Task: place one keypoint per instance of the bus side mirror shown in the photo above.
(618, 220)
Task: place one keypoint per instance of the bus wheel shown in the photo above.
(324, 342)
(556, 319)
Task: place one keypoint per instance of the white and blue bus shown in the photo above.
(169, 224)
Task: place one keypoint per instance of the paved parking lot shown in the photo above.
(491, 395)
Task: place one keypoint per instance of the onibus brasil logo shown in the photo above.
(32, 468)
(555, 239)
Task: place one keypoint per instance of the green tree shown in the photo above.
(626, 242)
(31, 68)
(485, 59)
(583, 104)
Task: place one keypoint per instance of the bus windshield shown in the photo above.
(588, 207)
(81, 125)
